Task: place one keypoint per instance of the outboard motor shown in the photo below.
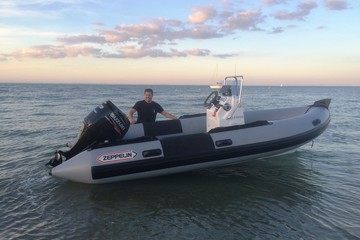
(104, 123)
(224, 106)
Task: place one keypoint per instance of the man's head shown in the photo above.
(148, 94)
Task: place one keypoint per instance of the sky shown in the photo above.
(269, 42)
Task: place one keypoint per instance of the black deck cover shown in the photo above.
(187, 145)
(162, 128)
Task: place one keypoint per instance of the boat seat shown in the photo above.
(159, 128)
(183, 125)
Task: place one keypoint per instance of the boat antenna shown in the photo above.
(215, 74)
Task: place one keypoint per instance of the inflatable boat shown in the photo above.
(109, 149)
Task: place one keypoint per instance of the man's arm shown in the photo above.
(168, 115)
(131, 115)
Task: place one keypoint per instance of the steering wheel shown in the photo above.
(211, 99)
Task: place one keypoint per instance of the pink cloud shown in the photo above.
(150, 34)
(52, 51)
(147, 39)
(303, 9)
(112, 36)
(202, 32)
(242, 20)
(197, 52)
(136, 52)
(201, 14)
(157, 32)
(126, 51)
(336, 4)
(154, 38)
(82, 39)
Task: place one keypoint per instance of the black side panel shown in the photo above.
(248, 125)
(188, 145)
(193, 115)
(123, 142)
(162, 128)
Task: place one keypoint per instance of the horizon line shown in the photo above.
(164, 84)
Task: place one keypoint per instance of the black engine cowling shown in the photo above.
(105, 122)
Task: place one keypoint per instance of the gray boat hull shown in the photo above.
(173, 146)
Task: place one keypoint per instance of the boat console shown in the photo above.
(224, 105)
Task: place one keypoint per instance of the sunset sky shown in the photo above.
(270, 42)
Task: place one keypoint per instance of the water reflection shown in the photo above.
(245, 199)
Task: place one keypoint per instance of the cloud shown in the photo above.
(201, 14)
(151, 34)
(3, 57)
(224, 55)
(43, 9)
(128, 51)
(82, 39)
(203, 32)
(277, 30)
(160, 37)
(125, 41)
(242, 20)
(148, 34)
(98, 24)
(273, 2)
(10, 9)
(148, 39)
(54, 51)
(135, 52)
(303, 9)
(197, 52)
(336, 4)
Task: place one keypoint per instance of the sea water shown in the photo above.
(313, 193)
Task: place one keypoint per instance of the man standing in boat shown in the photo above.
(147, 109)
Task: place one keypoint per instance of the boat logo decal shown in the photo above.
(117, 121)
(116, 156)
